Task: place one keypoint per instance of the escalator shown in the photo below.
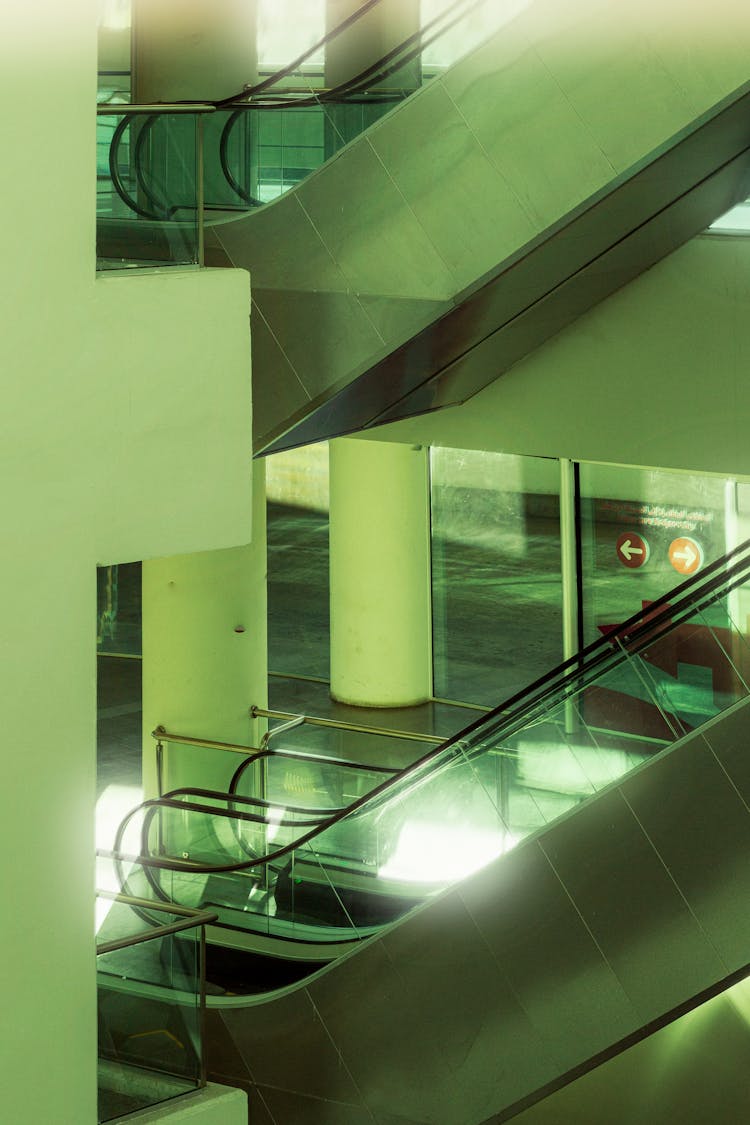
(552, 884)
(575, 147)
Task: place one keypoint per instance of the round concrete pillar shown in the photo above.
(381, 650)
(193, 50)
(368, 39)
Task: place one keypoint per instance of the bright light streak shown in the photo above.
(427, 852)
(286, 28)
(114, 15)
(576, 770)
(113, 804)
(275, 816)
(734, 221)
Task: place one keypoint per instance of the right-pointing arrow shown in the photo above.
(686, 555)
(689, 555)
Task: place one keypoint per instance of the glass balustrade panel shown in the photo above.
(148, 195)
(149, 1015)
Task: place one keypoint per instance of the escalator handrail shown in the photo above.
(160, 212)
(171, 800)
(289, 68)
(637, 631)
(114, 170)
(163, 735)
(640, 629)
(400, 55)
(371, 75)
(267, 753)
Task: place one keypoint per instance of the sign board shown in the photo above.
(686, 555)
(632, 550)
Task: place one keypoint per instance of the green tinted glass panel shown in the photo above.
(147, 190)
(149, 1012)
(497, 622)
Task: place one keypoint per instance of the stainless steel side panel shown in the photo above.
(494, 205)
(605, 921)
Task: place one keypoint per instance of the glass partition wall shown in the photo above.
(498, 604)
(496, 577)
(642, 531)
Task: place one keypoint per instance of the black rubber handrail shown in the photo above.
(114, 171)
(292, 756)
(372, 75)
(160, 211)
(399, 56)
(248, 91)
(290, 68)
(403, 53)
(172, 800)
(636, 633)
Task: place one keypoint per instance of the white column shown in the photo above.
(205, 651)
(381, 645)
(193, 50)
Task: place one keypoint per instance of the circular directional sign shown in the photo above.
(685, 555)
(632, 549)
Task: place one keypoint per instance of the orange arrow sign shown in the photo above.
(685, 555)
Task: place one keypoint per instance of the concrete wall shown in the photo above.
(124, 432)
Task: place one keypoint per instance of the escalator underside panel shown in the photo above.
(481, 1000)
(573, 149)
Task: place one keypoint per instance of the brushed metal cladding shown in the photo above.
(459, 175)
(546, 950)
(299, 1034)
(601, 246)
(282, 397)
(664, 955)
(483, 200)
(495, 991)
(692, 841)
(283, 1108)
(625, 260)
(477, 209)
(732, 752)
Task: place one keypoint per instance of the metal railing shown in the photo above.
(338, 724)
(150, 209)
(365, 87)
(158, 997)
(190, 920)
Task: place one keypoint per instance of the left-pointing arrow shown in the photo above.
(628, 550)
(632, 550)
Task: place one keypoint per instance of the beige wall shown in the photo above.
(124, 432)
